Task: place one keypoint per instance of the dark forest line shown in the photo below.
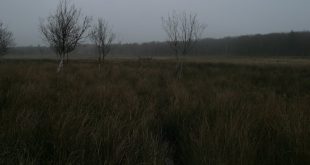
(273, 44)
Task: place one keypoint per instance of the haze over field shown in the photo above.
(140, 20)
(183, 82)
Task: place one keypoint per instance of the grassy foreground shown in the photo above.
(138, 113)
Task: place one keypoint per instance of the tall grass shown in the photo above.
(138, 113)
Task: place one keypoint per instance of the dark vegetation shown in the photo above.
(6, 39)
(276, 44)
(138, 113)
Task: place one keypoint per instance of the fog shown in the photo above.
(140, 20)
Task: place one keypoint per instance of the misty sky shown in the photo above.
(140, 20)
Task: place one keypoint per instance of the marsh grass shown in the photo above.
(138, 113)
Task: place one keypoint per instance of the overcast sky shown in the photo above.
(140, 20)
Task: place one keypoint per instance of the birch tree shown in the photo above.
(64, 30)
(102, 36)
(183, 31)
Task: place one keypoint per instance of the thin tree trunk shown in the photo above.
(61, 64)
(99, 62)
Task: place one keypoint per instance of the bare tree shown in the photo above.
(65, 29)
(6, 39)
(102, 36)
(183, 31)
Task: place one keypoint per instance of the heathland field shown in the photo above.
(137, 112)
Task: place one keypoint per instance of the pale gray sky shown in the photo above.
(140, 20)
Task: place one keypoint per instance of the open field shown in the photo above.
(136, 112)
(253, 60)
(233, 59)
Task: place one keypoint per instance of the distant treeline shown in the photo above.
(276, 44)
(293, 43)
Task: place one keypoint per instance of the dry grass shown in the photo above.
(252, 60)
(137, 113)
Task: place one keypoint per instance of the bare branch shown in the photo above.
(102, 36)
(65, 29)
(183, 31)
